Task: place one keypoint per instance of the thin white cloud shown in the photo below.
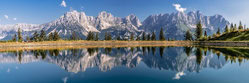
(6, 17)
(64, 79)
(63, 3)
(178, 75)
(179, 8)
(14, 19)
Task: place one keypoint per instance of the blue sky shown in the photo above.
(43, 11)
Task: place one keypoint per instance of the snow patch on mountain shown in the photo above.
(174, 24)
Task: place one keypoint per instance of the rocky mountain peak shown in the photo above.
(134, 20)
(104, 14)
(175, 24)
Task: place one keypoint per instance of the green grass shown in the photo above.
(233, 36)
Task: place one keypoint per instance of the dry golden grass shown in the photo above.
(10, 46)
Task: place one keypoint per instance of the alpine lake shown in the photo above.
(126, 65)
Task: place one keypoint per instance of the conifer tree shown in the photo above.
(231, 27)
(42, 35)
(50, 37)
(188, 36)
(56, 36)
(106, 35)
(153, 36)
(240, 26)
(235, 27)
(161, 35)
(97, 37)
(205, 34)
(143, 36)
(132, 37)
(109, 36)
(19, 35)
(118, 37)
(148, 37)
(90, 36)
(199, 32)
(226, 29)
(218, 31)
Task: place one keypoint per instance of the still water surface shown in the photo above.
(123, 65)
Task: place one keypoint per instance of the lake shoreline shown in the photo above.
(6, 46)
(223, 43)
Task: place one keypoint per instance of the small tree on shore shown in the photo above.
(198, 31)
(143, 36)
(42, 35)
(161, 35)
(205, 34)
(231, 27)
(50, 36)
(148, 37)
(132, 37)
(153, 36)
(97, 37)
(218, 32)
(19, 35)
(108, 36)
(56, 36)
(226, 29)
(90, 36)
(188, 36)
(118, 37)
(235, 27)
(240, 26)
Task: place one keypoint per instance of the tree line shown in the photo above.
(36, 37)
(200, 36)
(145, 36)
(54, 36)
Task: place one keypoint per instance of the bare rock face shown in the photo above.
(174, 24)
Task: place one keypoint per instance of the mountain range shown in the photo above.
(175, 25)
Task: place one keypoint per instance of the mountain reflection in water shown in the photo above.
(177, 59)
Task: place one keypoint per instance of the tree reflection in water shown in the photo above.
(173, 58)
